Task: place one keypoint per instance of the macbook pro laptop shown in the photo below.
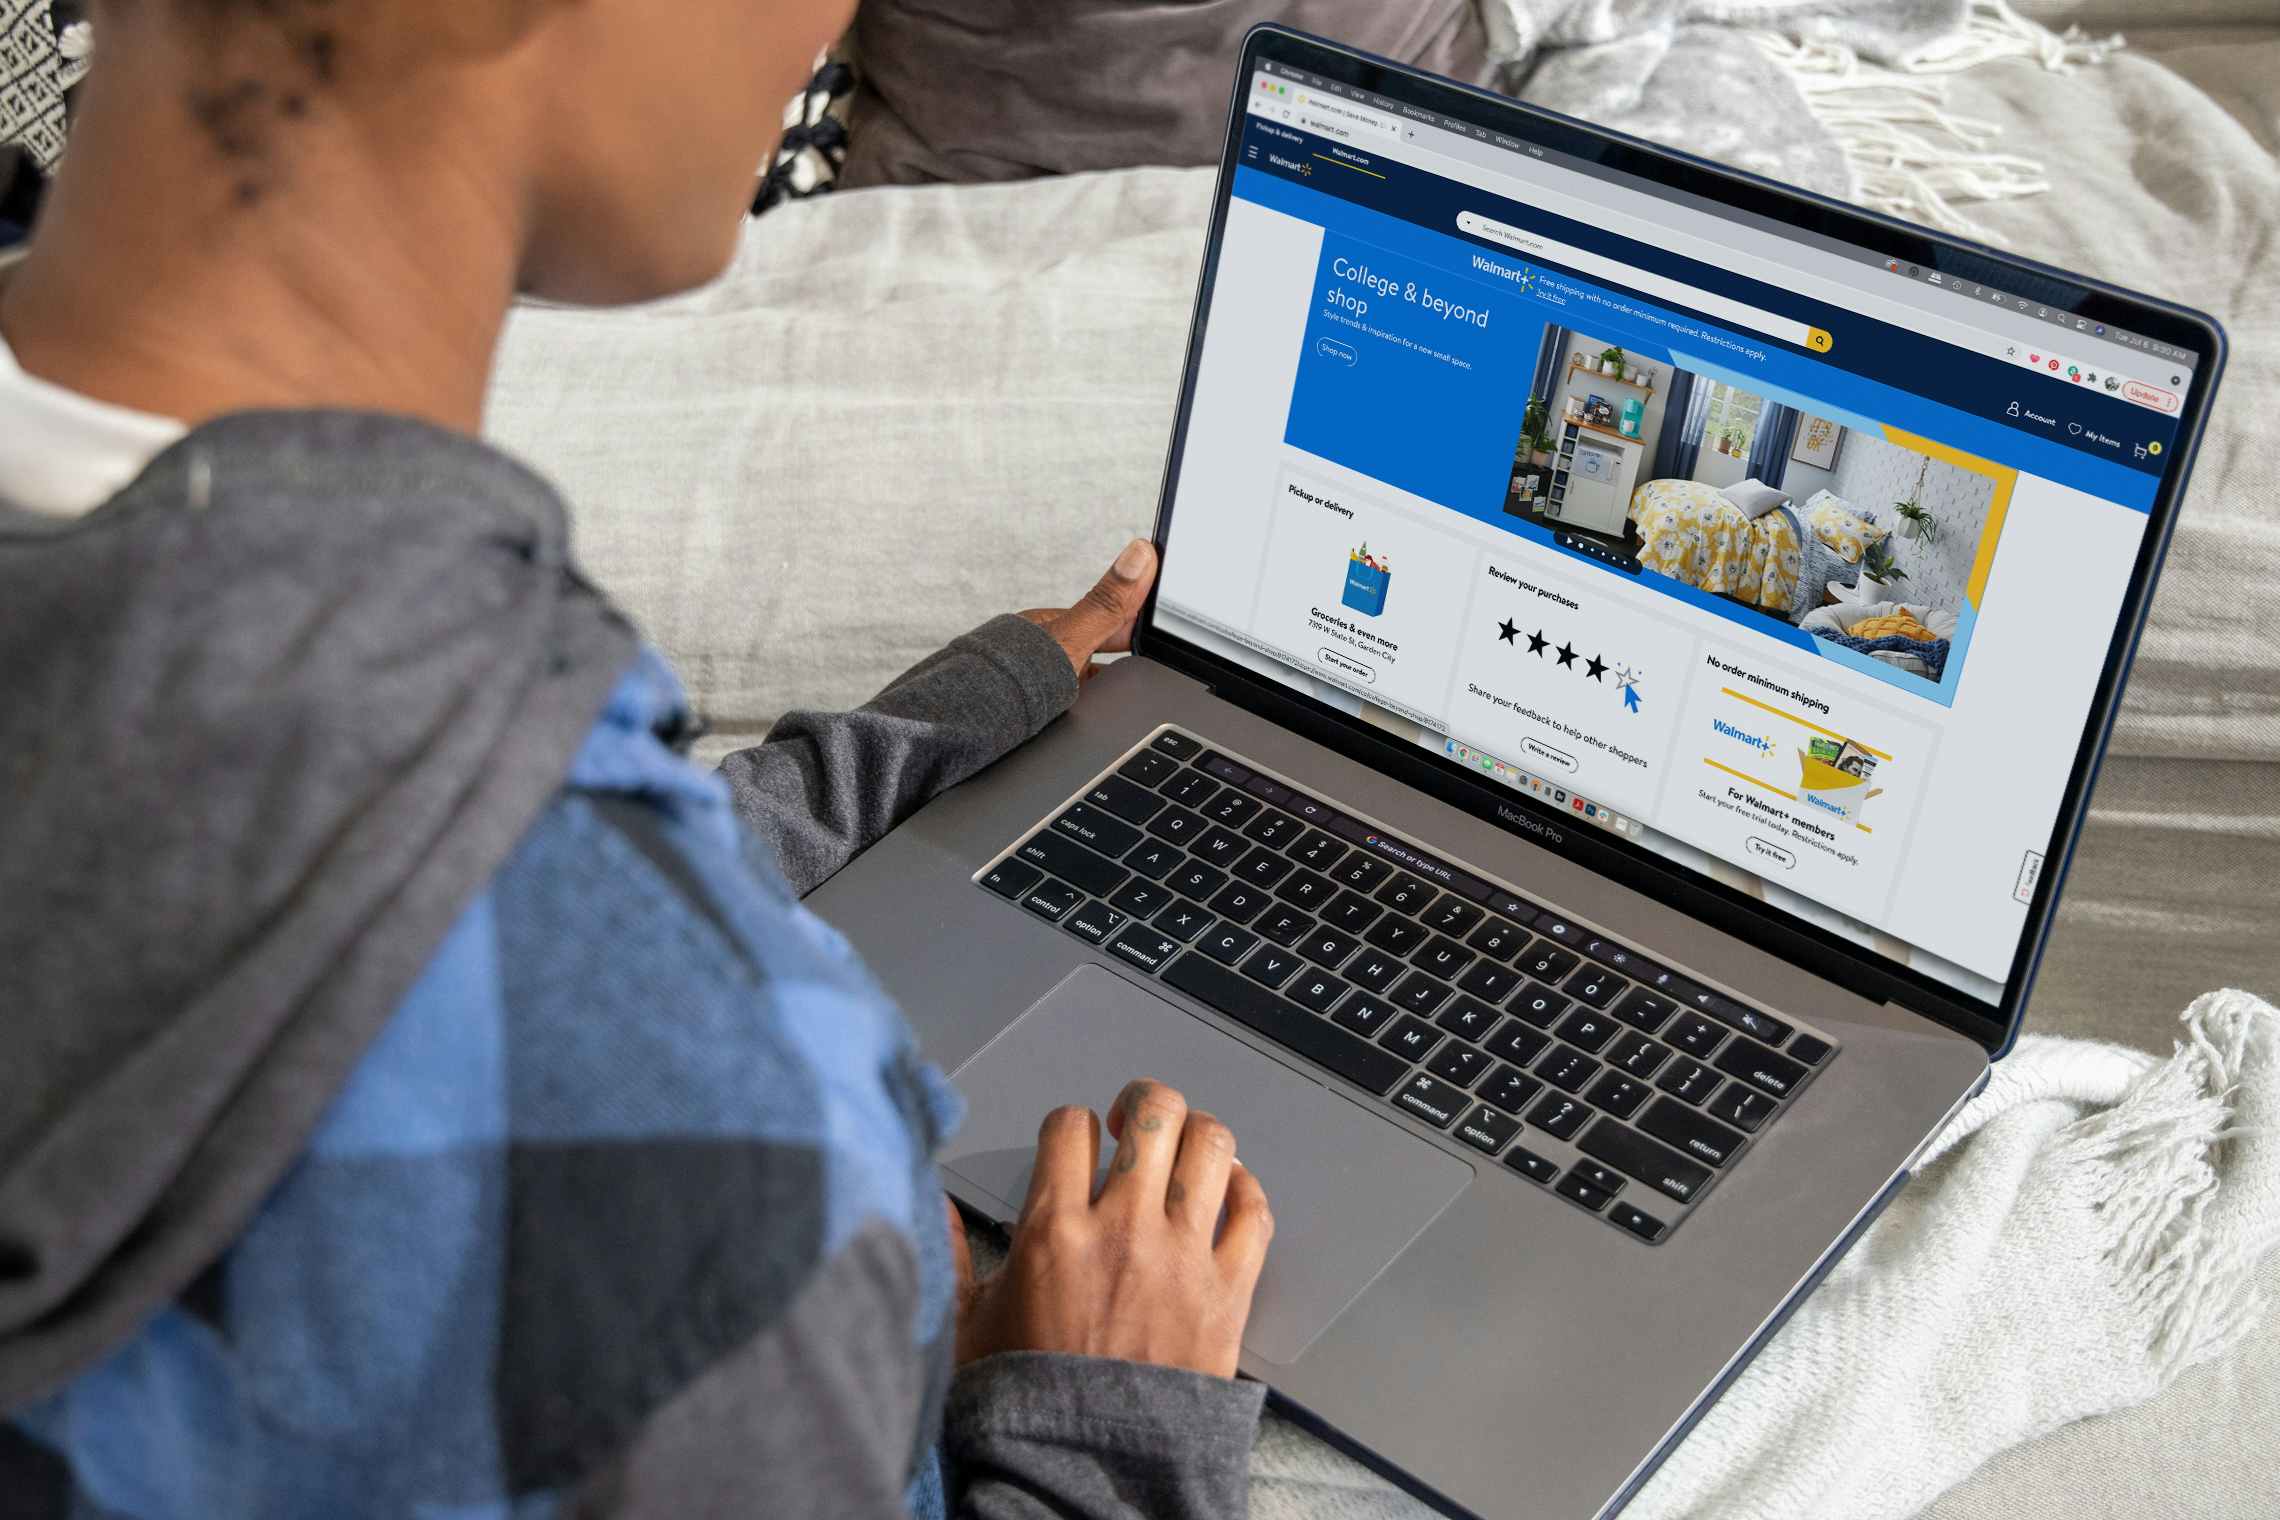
(1633, 646)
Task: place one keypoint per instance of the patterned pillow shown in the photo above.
(1843, 527)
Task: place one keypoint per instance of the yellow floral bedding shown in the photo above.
(1838, 527)
(1692, 533)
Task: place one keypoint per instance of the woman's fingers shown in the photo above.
(1198, 1182)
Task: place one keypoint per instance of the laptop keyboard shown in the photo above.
(1617, 1082)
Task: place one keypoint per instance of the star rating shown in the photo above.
(1567, 654)
(1506, 631)
(1598, 668)
(1536, 642)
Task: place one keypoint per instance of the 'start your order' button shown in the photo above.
(1346, 665)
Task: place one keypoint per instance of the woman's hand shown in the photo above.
(1102, 622)
(1144, 1272)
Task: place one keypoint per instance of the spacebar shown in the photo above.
(1248, 1003)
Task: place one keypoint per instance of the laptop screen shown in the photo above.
(1784, 559)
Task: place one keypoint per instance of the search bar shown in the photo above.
(1709, 303)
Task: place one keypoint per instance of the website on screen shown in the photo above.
(1696, 538)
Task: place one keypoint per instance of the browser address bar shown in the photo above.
(1710, 303)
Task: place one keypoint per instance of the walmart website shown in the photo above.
(1792, 563)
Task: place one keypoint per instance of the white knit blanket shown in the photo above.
(2088, 1228)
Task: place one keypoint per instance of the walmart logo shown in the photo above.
(1758, 742)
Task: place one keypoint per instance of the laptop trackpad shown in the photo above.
(1350, 1190)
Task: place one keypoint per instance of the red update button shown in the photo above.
(2150, 395)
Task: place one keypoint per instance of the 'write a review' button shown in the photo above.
(1346, 665)
(1767, 850)
(1541, 751)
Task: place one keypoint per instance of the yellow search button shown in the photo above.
(1818, 340)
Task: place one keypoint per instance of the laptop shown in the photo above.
(1633, 645)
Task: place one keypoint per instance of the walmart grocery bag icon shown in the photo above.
(1367, 577)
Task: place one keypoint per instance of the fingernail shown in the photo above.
(1132, 561)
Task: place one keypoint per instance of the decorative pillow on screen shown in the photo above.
(1754, 497)
(1842, 526)
(965, 90)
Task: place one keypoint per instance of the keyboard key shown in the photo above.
(1366, 1015)
(1470, 1018)
(1560, 932)
(1358, 1061)
(1755, 1022)
(1567, 1069)
(1704, 1139)
(1375, 970)
(1529, 1164)
(1178, 745)
(1226, 943)
(1177, 825)
(1484, 1129)
(1558, 1116)
(1352, 912)
(1576, 1186)
(1419, 993)
(1195, 879)
(1270, 966)
(1318, 850)
(1219, 845)
(1140, 898)
(1273, 829)
(1399, 935)
(1603, 1177)
(1094, 921)
(1655, 1164)
(1547, 962)
(1267, 789)
(1361, 872)
(1222, 767)
(1010, 878)
(1283, 926)
(1808, 1049)
(1051, 899)
(1307, 890)
(1518, 909)
(1239, 903)
(1088, 825)
(1405, 893)
(1517, 1043)
(1498, 938)
(1232, 808)
(1144, 947)
(1637, 1220)
(1264, 867)
(1489, 982)
(1315, 990)
(1760, 1067)
(1192, 789)
(1182, 920)
(1411, 1038)
(1539, 1005)
(1458, 1063)
(1618, 1094)
(1149, 768)
(1430, 1099)
(1690, 1080)
(1327, 947)
(1637, 1056)
(1586, 1030)
(1694, 1034)
(1510, 1088)
(1130, 802)
(1670, 984)
(1618, 957)
(1595, 985)
(1153, 858)
(1740, 1107)
(1072, 862)
(1443, 957)
(1645, 1010)
(1451, 915)
(1312, 813)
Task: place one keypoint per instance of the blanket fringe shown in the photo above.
(2191, 1284)
(1910, 156)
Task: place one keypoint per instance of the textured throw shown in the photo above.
(1840, 96)
(2088, 1228)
